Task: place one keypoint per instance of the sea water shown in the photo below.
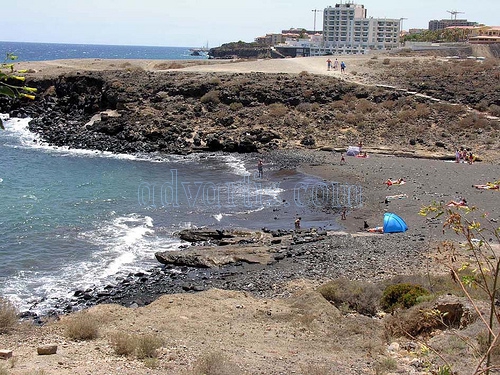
(72, 219)
(56, 51)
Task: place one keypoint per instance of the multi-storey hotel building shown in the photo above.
(347, 30)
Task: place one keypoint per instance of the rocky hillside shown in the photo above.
(179, 112)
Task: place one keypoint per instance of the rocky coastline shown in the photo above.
(293, 119)
(132, 110)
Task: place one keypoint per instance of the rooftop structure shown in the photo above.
(443, 24)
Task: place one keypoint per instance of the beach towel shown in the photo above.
(393, 197)
(376, 230)
(488, 186)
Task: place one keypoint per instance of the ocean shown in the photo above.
(75, 219)
(55, 51)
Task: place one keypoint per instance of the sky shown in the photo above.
(198, 23)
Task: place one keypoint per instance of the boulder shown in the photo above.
(214, 256)
(5, 354)
(199, 235)
(457, 312)
(47, 349)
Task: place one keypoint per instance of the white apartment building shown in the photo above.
(347, 30)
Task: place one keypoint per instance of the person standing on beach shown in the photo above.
(342, 67)
(335, 64)
(329, 64)
(297, 222)
(343, 213)
(342, 159)
(260, 167)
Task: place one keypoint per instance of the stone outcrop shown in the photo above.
(215, 256)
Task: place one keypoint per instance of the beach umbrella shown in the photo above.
(394, 224)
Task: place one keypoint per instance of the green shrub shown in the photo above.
(401, 295)
(8, 315)
(362, 297)
(82, 327)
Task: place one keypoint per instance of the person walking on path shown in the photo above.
(260, 167)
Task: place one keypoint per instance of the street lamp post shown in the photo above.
(401, 28)
(315, 11)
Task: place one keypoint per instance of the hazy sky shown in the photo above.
(194, 23)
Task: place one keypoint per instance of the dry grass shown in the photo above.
(123, 344)
(143, 346)
(147, 346)
(8, 315)
(211, 97)
(385, 366)
(82, 327)
(215, 363)
(352, 295)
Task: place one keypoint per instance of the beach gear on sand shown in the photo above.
(393, 223)
(352, 151)
(488, 186)
(376, 230)
(398, 196)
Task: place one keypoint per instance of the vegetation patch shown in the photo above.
(402, 296)
(82, 327)
(8, 315)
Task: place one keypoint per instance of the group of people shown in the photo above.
(464, 156)
(335, 65)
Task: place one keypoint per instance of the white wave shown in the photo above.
(17, 129)
(218, 216)
(124, 245)
(121, 241)
(236, 164)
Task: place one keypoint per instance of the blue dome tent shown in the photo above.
(394, 224)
